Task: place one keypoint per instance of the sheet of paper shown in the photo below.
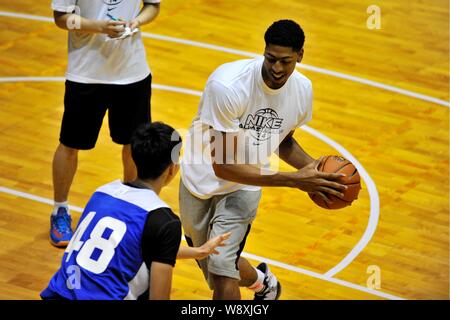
(124, 35)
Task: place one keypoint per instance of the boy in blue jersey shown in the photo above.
(128, 239)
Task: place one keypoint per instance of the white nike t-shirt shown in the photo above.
(93, 59)
(236, 99)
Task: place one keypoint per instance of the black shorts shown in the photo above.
(85, 105)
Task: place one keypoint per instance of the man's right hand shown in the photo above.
(311, 180)
(112, 28)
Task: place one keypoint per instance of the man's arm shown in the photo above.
(161, 239)
(148, 13)
(308, 179)
(72, 21)
(199, 253)
(292, 153)
(160, 281)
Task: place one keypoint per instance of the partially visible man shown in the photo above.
(103, 73)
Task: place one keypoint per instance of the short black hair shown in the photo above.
(285, 33)
(154, 146)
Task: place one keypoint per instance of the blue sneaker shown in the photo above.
(60, 228)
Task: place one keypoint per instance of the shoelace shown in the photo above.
(62, 224)
(265, 291)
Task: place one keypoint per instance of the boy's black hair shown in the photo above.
(154, 146)
(285, 33)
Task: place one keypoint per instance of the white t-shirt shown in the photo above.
(93, 59)
(236, 99)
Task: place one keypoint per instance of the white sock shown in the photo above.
(57, 205)
(258, 286)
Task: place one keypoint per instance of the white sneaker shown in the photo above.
(272, 286)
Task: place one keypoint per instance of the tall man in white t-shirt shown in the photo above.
(107, 70)
(249, 109)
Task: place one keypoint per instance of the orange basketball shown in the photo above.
(337, 164)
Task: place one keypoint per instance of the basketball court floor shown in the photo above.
(380, 100)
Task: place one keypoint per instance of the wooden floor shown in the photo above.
(402, 141)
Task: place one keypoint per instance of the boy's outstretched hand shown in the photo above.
(209, 247)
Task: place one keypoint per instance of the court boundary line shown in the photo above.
(199, 44)
(371, 187)
(244, 254)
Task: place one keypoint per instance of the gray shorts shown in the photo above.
(205, 219)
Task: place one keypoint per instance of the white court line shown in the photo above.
(35, 198)
(250, 54)
(60, 79)
(371, 188)
(244, 254)
(25, 16)
(374, 203)
(305, 67)
(32, 79)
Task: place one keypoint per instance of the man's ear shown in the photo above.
(173, 169)
(300, 55)
(169, 173)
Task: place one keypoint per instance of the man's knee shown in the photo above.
(222, 272)
(68, 151)
(220, 281)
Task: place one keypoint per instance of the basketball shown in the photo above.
(338, 164)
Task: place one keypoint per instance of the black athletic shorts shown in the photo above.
(85, 105)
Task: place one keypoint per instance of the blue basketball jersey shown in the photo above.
(104, 258)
